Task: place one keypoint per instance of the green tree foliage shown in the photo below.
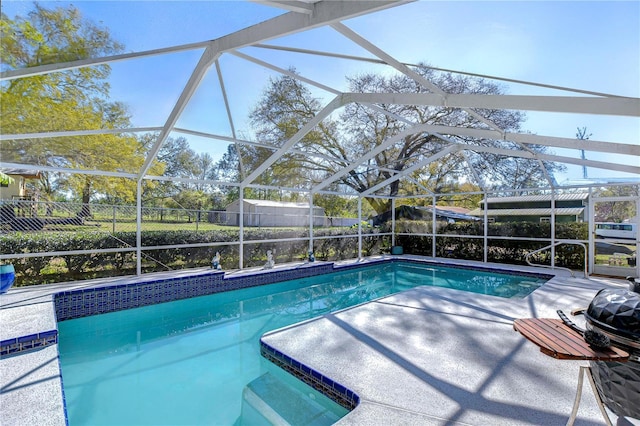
(46, 102)
(194, 172)
(67, 100)
(287, 104)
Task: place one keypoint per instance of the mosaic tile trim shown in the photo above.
(338, 393)
(95, 301)
(276, 276)
(25, 343)
(100, 300)
(475, 268)
(373, 262)
(64, 395)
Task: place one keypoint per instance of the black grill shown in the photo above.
(616, 313)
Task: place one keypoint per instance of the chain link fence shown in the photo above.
(61, 241)
(24, 215)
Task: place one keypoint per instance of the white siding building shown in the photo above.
(274, 213)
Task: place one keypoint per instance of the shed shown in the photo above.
(274, 213)
(569, 207)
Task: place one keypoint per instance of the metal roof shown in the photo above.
(269, 203)
(27, 173)
(568, 211)
(450, 212)
(543, 197)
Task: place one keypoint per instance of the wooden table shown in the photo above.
(558, 340)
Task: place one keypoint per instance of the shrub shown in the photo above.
(39, 270)
(68, 267)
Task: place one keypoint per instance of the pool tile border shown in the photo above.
(29, 342)
(94, 301)
(493, 268)
(333, 390)
(111, 298)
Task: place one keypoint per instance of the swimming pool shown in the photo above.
(197, 361)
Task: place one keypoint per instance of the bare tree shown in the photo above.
(287, 104)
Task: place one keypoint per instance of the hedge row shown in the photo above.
(41, 270)
(498, 250)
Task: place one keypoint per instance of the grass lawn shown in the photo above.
(611, 259)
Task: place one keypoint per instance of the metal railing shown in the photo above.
(557, 243)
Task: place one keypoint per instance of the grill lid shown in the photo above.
(617, 311)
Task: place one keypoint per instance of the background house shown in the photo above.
(274, 213)
(570, 207)
(16, 186)
(446, 213)
(449, 213)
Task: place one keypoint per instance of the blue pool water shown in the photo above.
(197, 361)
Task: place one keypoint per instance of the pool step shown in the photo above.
(270, 401)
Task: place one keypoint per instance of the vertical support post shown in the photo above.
(393, 222)
(637, 236)
(139, 227)
(360, 227)
(485, 232)
(433, 226)
(114, 219)
(241, 228)
(590, 235)
(553, 228)
(311, 218)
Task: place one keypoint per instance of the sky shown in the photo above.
(591, 45)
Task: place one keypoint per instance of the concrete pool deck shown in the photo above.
(426, 356)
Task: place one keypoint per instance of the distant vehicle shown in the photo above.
(625, 231)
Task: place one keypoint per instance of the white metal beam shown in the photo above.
(69, 133)
(316, 84)
(552, 141)
(229, 116)
(258, 144)
(191, 180)
(554, 158)
(479, 181)
(67, 170)
(284, 71)
(421, 186)
(436, 130)
(290, 5)
(344, 30)
(66, 66)
(570, 104)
